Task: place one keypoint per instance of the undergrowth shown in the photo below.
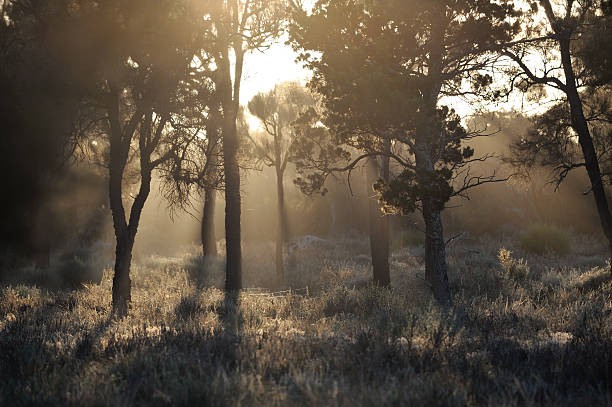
(542, 238)
(519, 334)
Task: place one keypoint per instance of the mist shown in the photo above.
(330, 202)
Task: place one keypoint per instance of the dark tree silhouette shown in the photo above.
(141, 56)
(315, 153)
(41, 95)
(383, 69)
(197, 167)
(213, 177)
(235, 28)
(575, 62)
(378, 169)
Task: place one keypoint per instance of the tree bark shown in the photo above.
(580, 125)
(436, 269)
(379, 226)
(209, 241)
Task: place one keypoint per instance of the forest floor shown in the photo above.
(525, 330)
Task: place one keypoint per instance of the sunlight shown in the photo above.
(253, 122)
(415, 214)
(270, 67)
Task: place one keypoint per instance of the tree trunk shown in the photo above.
(580, 125)
(125, 230)
(281, 229)
(230, 101)
(123, 249)
(436, 269)
(209, 241)
(233, 268)
(126, 235)
(435, 250)
(435, 254)
(379, 227)
(121, 280)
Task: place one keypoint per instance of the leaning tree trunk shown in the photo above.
(125, 230)
(125, 234)
(379, 227)
(124, 245)
(580, 125)
(209, 241)
(281, 228)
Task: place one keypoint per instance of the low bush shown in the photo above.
(408, 238)
(78, 267)
(515, 269)
(542, 238)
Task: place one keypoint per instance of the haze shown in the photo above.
(283, 202)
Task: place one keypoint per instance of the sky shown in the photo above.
(263, 70)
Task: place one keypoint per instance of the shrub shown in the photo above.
(79, 266)
(542, 238)
(513, 268)
(593, 323)
(408, 238)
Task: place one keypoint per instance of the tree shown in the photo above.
(382, 71)
(378, 169)
(575, 66)
(213, 177)
(316, 152)
(41, 100)
(277, 110)
(235, 27)
(139, 56)
(197, 168)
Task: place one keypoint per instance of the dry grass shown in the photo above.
(536, 337)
